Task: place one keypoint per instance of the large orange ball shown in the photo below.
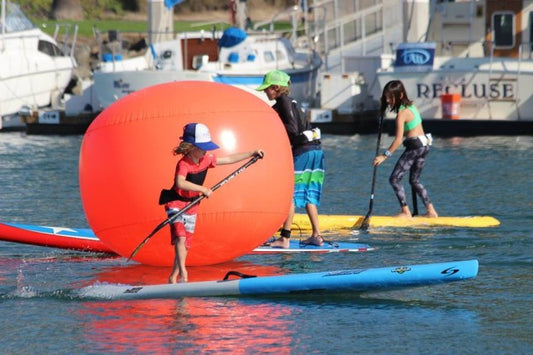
(126, 159)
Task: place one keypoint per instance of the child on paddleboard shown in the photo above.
(189, 176)
(307, 155)
(416, 142)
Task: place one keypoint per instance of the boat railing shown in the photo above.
(338, 24)
(295, 16)
(70, 36)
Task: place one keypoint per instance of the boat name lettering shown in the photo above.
(416, 56)
(133, 290)
(345, 272)
(401, 269)
(500, 90)
(449, 271)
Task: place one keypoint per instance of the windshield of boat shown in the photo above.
(15, 20)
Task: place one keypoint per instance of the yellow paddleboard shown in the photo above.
(336, 222)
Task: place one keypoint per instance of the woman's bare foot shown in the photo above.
(431, 211)
(314, 240)
(173, 279)
(281, 242)
(405, 213)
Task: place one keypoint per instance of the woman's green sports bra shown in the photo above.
(415, 121)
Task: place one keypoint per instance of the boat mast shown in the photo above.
(160, 22)
(3, 24)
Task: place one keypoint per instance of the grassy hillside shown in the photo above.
(185, 20)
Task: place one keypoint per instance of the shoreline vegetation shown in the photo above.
(133, 27)
(124, 15)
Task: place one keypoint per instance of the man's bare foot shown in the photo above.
(314, 240)
(281, 242)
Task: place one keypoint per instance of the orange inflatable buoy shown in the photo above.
(126, 159)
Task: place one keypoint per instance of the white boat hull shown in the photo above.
(33, 71)
(488, 91)
(111, 86)
(195, 56)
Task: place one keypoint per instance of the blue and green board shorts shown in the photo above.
(308, 178)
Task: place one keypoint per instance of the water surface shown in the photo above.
(41, 308)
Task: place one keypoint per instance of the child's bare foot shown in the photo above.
(184, 276)
(281, 242)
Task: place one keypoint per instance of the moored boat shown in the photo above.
(232, 56)
(469, 73)
(34, 71)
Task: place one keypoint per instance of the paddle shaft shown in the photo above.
(415, 201)
(365, 223)
(192, 203)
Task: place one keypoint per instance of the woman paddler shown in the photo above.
(416, 142)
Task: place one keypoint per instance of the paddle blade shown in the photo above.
(138, 248)
(366, 223)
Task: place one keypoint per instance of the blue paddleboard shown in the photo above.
(338, 281)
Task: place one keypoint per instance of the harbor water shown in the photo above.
(41, 308)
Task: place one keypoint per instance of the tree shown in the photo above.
(66, 10)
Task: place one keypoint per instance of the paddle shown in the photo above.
(366, 221)
(192, 203)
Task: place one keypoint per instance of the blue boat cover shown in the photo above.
(231, 37)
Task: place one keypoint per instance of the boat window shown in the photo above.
(268, 56)
(504, 29)
(15, 19)
(49, 48)
(199, 60)
(280, 54)
(233, 57)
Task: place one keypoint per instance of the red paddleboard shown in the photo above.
(84, 239)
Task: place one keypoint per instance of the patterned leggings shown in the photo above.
(414, 161)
